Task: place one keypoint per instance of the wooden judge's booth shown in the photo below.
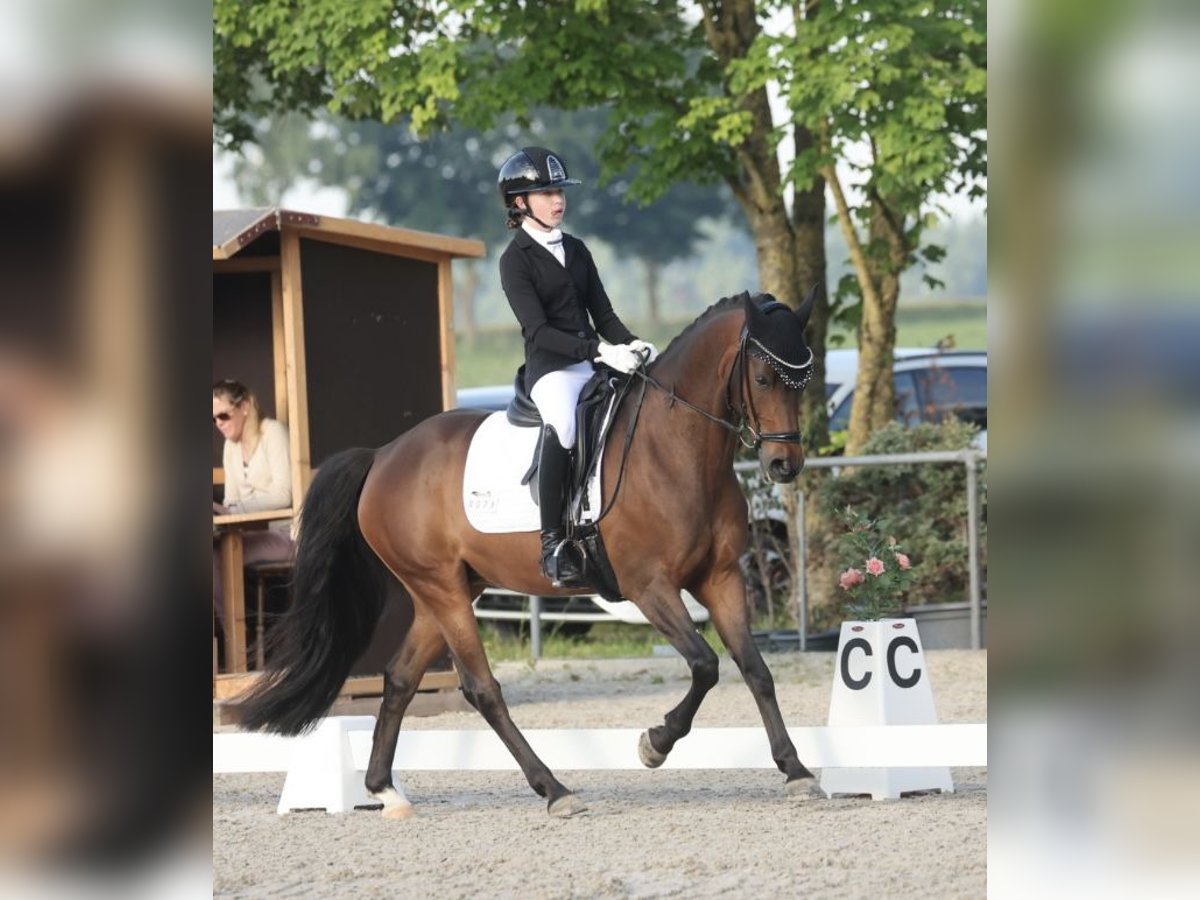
(343, 331)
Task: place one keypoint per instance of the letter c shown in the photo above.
(911, 679)
(854, 644)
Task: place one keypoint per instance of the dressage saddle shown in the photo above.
(592, 418)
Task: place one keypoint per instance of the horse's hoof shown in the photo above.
(805, 788)
(395, 804)
(566, 806)
(399, 811)
(650, 757)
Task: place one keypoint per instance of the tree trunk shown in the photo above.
(888, 234)
(878, 348)
(871, 325)
(730, 28)
(808, 217)
(653, 276)
(790, 252)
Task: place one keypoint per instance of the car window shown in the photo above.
(908, 409)
(959, 391)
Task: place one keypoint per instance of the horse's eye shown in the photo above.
(761, 380)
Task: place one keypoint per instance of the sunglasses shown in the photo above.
(222, 417)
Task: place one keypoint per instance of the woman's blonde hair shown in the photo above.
(237, 393)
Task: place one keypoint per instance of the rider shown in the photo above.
(552, 285)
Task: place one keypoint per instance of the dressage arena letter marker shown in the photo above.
(881, 680)
(322, 773)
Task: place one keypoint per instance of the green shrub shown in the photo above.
(925, 507)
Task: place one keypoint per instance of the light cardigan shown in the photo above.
(265, 482)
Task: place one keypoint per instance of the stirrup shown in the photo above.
(561, 569)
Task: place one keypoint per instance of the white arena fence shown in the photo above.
(616, 748)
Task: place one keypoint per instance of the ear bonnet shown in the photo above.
(775, 335)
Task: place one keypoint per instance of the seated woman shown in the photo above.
(258, 475)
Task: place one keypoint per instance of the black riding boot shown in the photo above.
(560, 563)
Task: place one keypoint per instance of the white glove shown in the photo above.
(618, 356)
(643, 348)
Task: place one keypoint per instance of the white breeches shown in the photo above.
(555, 396)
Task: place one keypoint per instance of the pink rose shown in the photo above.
(850, 578)
(902, 561)
(874, 566)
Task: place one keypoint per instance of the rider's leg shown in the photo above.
(555, 394)
(559, 564)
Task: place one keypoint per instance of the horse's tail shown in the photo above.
(339, 590)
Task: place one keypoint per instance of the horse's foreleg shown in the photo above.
(483, 692)
(421, 646)
(666, 612)
(725, 598)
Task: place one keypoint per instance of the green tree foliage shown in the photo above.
(907, 80)
(663, 75)
(446, 182)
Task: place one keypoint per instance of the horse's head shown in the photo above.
(776, 365)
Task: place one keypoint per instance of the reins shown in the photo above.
(749, 436)
(637, 411)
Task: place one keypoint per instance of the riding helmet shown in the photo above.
(532, 169)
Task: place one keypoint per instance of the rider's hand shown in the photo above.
(618, 356)
(645, 349)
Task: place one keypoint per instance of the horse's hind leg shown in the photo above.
(421, 646)
(452, 607)
(724, 595)
(663, 606)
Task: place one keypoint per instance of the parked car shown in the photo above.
(567, 615)
(931, 385)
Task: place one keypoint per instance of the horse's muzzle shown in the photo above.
(782, 470)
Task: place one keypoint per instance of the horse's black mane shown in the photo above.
(720, 306)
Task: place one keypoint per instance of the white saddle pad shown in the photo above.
(493, 496)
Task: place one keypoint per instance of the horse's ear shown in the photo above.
(753, 312)
(806, 307)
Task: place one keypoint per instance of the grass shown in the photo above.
(497, 353)
(924, 324)
(605, 640)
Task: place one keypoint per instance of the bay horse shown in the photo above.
(679, 521)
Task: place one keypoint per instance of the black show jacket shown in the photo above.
(552, 304)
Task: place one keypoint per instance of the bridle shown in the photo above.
(746, 425)
(744, 428)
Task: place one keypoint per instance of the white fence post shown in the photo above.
(972, 463)
(535, 626)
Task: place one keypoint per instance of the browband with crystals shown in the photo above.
(794, 376)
